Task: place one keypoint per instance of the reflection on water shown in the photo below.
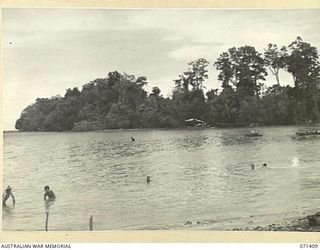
(201, 176)
(191, 142)
(235, 137)
(295, 161)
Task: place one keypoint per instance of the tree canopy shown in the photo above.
(119, 100)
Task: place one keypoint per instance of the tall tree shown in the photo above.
(303, 63)
(275, 59)
(195, 75)
(244, 67)
(226, 67)
(190, 103)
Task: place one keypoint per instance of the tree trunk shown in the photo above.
(277, 78)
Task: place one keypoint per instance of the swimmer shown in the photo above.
(148, 179)
(132, 138)
(6, 195)
(49, 194)
(264, 164)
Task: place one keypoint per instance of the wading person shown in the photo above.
(6, 195)
(49, 194)
(148, 179)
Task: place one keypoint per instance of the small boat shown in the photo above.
(253, 134)
(308, 133)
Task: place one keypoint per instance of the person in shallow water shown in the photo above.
(252, 166)
(49, 194)
(6, 195)
(132, 138)
(148, 179)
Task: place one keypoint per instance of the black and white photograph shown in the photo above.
(161, 119)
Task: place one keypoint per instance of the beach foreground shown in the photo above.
(310, 223)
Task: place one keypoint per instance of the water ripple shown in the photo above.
(198, 175)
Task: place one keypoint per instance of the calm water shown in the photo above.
(202, 176)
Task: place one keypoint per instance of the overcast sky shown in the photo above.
(47, 51)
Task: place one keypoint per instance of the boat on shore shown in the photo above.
(196, 123)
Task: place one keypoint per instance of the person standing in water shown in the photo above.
(6, 195)
(49, 194)
(148, 179)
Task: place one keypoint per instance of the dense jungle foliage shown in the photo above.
(120, 101)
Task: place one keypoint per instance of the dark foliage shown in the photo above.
(120, 101)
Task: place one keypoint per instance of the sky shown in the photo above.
(46, 51)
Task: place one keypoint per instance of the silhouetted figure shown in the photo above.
(6, 195)
(264, 164)
(132, 138)
(148, 179)
(252, 166)
(49, 194)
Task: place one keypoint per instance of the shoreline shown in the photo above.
(309, 223)
(173, 128)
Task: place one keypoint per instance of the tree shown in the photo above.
(32, 117)
(249, 111)
(72, 93)
(120, 101)
(212, 94)
(226, 66)
(275, 59)
(121, 116)
(303, 64)
(190, 103)
(278, 106)
(244, 67)
(155, 91)
(195, 76)
(223, 108)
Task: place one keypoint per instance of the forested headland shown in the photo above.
(120, 101)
